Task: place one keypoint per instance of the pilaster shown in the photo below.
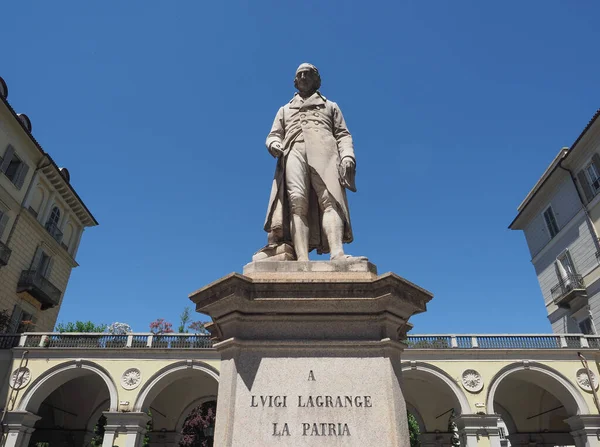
(478, 430)
(585, 429)
(19, 427)
(130, 426)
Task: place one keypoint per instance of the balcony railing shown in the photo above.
(39, 288)
(199, 341)
(54, 231)
(501, 341)
(4, 254)
(567, 288)
(105, 341)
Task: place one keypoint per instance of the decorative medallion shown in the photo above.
(131, 378)
(472, 381)
(20, 377)
(583, 380)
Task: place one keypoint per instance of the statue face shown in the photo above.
(306, 80)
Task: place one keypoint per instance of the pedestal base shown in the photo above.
(307, 394)
(310, 353)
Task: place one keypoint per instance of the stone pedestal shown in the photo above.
(310, 353)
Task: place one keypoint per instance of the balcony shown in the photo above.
(4, 254)
(39, 288)
(567, 290)
(52, 228)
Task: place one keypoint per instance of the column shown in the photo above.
(126, 429)
(585, 429)
(478, 430)
(164, 439)
(19, 427)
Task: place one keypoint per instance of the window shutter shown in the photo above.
(7, 158)
(596, 161)
(23, 169)
(36, 259)
(15, 319)
(3, 221)
(49, 266)
(583, 181)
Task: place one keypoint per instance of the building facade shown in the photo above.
(42, 220)
(497, 390)
(560, 218)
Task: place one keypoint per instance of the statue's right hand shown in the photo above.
(275, 150)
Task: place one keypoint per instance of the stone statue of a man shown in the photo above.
(308, 207)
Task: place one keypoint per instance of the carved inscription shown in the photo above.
(311, 428)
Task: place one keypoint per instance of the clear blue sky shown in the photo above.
(160, 111)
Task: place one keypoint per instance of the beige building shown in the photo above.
(499, 390)
(42, 220)
(560, 218)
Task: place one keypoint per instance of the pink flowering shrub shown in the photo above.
(160, 326)
(198, 428)
(197, 327)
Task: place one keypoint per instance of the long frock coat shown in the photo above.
(320, 123)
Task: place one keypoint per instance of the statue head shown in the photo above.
(307, 78)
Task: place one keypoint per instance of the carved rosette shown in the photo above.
(131, 378)
(20, 377)
(583, 380)
(472, 380)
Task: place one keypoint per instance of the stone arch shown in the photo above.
(167, 375)
(57, 376)
(560, 387)
(439, 374)
(186, 411)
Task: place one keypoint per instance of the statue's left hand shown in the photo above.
(347, 171)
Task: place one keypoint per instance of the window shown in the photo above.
(565, 267)
(42, 263)
(54, 218)
(52, 225)
(551, 222)
(589, 178)
(593, 177)
(13, 167)
(22, 320)
(586, 326)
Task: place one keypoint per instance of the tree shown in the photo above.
(198, 428)
(119, 328)
(184, 319)
(413, 430)
(160, 326)
(80, 326)
(198, 327)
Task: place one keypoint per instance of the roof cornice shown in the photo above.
(89, 217)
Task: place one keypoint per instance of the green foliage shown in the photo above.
(98, 432)
(80, 326)
(184, 319)
(413, 430)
